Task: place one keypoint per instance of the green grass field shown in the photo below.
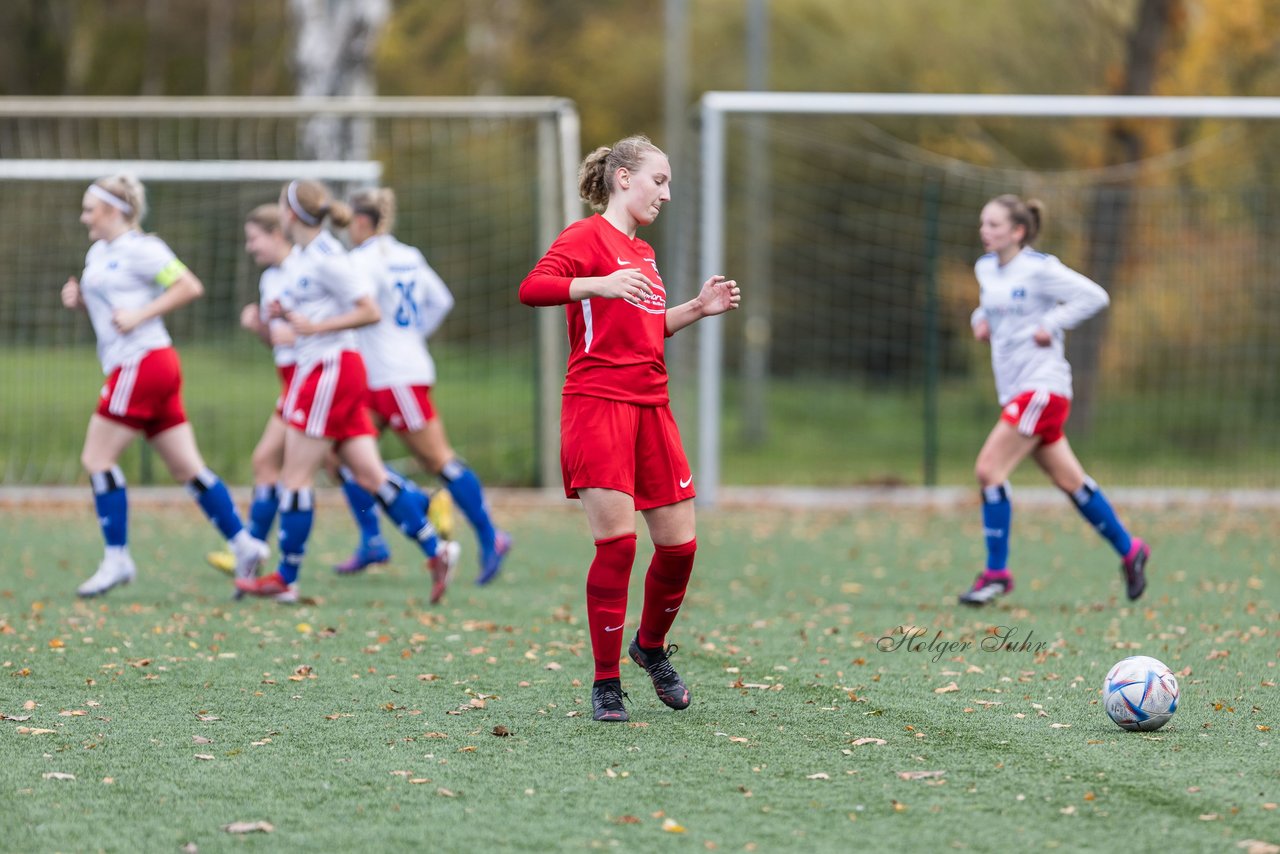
(363, 719)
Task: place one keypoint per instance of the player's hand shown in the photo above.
(125, 320)
(719, 295)
(281, 335)
(628, 284)
(275, 310)
(71, 294)
(982, 330)
(1042, 338)
(251, 317)
(300, 323)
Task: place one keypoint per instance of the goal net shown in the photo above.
(482, 190)
(852, 222)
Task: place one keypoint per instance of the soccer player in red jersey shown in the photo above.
(130, 281)
(620, 448)
(1028, 299)
(324, 299)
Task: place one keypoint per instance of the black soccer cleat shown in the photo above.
(606, 701)
(987, 587)
(1134, 569)
(666, 682)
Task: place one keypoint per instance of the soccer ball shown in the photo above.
(1140, 693)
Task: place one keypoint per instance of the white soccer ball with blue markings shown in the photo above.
(1140, 693)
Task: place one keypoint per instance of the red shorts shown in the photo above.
(406, 408)
(285, 372)
(1038, 413)
(145, 393)
(328, 401)
(615, 445)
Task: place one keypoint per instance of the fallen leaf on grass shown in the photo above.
(418, 781)
(249, 827)
(1060, 726)
(19, 718)
(72, 713)
(205, 757)
(898, 806)
(445, 793)
(819, 776)
(1068, 810)
(26, 730)
(1257, 846)
(201, 716)
(57, 775)
(1210, 816)
(501, 731)
(919, 775)
(858, 742)
(947, 689)
(626, 819)
(670, 825)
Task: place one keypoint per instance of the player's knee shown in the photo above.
(986, 474)
(266, 465)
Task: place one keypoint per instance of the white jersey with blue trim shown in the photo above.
(414, 301)
(272, 284)
(320, 283)
(1033, 291)
(127, 272)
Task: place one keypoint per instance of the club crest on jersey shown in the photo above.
(1019, 293)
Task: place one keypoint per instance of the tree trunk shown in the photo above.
(333, 55)
(1109, 215)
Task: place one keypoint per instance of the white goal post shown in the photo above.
(715, 107)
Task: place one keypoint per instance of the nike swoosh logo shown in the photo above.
(685, 483)
(613, 628)
(622, 263)
(671, 610)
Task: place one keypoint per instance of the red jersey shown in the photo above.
(616, 346)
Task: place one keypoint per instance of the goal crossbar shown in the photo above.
(192, 170)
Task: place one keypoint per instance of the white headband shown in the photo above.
(296, 206)
(111, 198)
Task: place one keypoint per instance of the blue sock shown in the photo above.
(407, 506)
(468, 494)
(262, 512)
(211, 494)
(997, 515)
(1094, 507)
(297, 511)
(112, 502)
(362, 507)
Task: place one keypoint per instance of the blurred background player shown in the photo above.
(1028, 300)
(130, 281)
(269, 246)
(323, 300)
(413, 300)
(620, 447)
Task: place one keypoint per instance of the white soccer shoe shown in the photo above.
(113, 571)
(443, 567)
(250, 555)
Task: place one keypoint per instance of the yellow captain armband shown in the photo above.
(170, 273)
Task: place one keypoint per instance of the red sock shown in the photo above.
(664, 587)
(607, 601)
